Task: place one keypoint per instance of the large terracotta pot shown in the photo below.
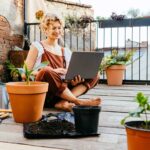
(27, 101)
(137, 138)
(115, 74)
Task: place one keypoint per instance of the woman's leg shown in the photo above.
(77, 91)
(64, 105)
(68, 96)
(85, 86)
(58, 88)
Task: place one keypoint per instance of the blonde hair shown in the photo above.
(48, 19)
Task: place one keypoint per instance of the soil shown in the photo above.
(49, 126)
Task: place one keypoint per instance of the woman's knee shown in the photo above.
(46, 73)
(92, 82)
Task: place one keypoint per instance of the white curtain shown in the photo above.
(32, 6)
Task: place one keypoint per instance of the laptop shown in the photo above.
(85, 64)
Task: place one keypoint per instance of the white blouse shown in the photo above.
(37, 44)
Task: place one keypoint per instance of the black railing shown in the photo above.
(106, 35)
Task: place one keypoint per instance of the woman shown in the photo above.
(61, 95)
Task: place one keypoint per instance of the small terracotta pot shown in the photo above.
(27, 101)
(115, 74)
(137, 138)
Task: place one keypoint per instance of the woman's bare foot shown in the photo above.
(64, 105)
(90, 102)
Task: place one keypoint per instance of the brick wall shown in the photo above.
(7, 42)
(9, 35)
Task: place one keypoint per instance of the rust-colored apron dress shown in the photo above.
(56, 84)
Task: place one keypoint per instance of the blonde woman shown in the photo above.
(60, 95)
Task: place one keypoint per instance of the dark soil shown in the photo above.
(50, 126)
(53, 127)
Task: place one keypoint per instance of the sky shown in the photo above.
(106, 7)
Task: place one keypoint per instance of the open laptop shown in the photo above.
(85, 64)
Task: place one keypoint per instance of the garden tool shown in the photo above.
(4, 113)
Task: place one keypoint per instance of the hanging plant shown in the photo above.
(75, 23)
(84, 21)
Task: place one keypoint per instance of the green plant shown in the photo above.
(14, 72)
(116, 59)
(75, 23)
(143, 108)
(29, 73)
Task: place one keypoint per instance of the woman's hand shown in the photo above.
(60, 71)
(23, 76)
(77, 80)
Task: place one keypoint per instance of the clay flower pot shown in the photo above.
(137, 138)
(27, 101)
(115, 74)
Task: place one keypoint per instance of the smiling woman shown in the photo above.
(60, 94)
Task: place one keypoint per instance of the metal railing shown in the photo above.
(106, 35)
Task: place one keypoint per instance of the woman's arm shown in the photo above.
(67, 54)
(31, 58)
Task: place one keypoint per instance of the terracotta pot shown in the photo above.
(137, 138)
(27, 101)
(115, 74)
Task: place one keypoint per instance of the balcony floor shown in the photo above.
(117, 101)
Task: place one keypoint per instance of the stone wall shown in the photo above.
(60, 7)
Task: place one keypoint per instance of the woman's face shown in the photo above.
(54, 30)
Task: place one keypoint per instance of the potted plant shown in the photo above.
(75, 23)
(138, 132)
(12, 71)
(114, 65)
(27, 98)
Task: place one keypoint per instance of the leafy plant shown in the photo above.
(75, 23)
(143, 108)
(29, 73)
(116, 59)
(84, 21)
(14, 72)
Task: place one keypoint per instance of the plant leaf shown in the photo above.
(21, 70)
(137, 112)
(122, 122)
(42, 65)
